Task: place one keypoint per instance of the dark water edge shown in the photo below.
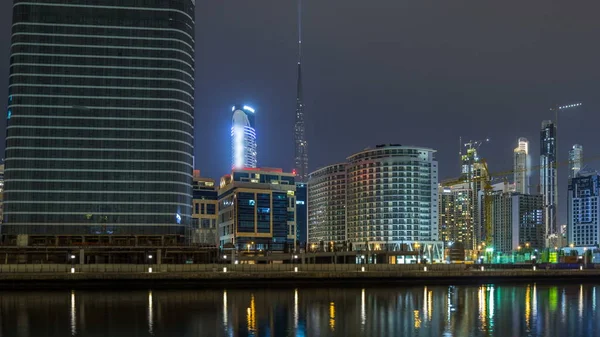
(508, 309)
(241, 283)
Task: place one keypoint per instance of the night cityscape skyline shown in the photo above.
(299, 168)
(343, 129)
(266, 78)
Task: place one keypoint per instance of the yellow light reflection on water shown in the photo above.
(363, 309)
(528, 307)
(482, 297)
(251, 316)
(580, 303)
(417, 319)
(150, 314)
(296, 313)
(429, 305)
(332, 316)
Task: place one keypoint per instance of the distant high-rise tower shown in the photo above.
(243, 137)
(521, 166)
(548, 176)
(301, 145)
(575, 160)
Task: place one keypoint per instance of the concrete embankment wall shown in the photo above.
(201, 268)
(174, 276)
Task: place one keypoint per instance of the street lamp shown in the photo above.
(72, 263)
(149, 263)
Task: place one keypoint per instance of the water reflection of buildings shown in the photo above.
(487, 310)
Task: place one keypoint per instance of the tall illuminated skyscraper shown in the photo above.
(548, 187)
(522, 166)
(243, 137)
(100, 120)
(301, 145)
(575, 160)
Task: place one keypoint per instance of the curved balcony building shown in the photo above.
(392, 199)
(327, 207)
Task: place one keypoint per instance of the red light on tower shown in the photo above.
(294, 172)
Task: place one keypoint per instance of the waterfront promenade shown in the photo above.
(211, 275)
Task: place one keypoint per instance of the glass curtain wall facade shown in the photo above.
(257, 211)
(584, 210)
(100, 117)
(548, 180)
(392, 197)
(575, 160)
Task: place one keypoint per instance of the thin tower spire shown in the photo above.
(301, 145)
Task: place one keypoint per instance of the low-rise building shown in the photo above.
(204, 211)
(257, 210)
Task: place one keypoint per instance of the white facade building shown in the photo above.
(243, 138)
(392, 200)
(522, 166)
(327, 207)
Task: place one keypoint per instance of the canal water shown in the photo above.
(569, 310)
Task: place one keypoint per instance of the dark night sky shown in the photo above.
(400, 71)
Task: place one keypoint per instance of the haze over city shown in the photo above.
(299, 168)
(391, 71)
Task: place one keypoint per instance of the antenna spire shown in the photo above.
(299, 31)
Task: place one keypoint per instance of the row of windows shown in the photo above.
(99, 229)
(100, 185)
(53, 164)
(123, 103)
(88, 59)
(18, 129)
(88, 207)
(101, 51)
(122, 114)
(95, 153)
(147, 177)
(107, 40)
(143, 83)
(167, 36)
(115, 16)
(170, 74)
(107, 196)
(114, 123)
(202, 208)
(18, 90)
(99, 143)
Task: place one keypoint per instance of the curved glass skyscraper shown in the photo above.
(100, 118)
(243, 138)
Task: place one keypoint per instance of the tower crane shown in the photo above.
(486, 186)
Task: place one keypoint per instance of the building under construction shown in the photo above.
(461, 219)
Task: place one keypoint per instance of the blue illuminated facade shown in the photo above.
(243, 137)
(583, 206)
(257, 210)
(301, 214)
